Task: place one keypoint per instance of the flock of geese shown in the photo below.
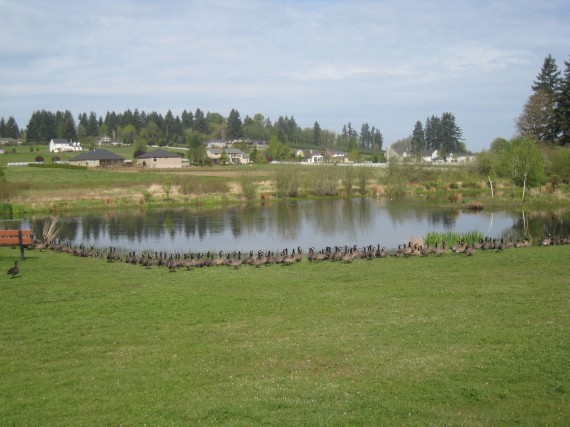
(343, 254)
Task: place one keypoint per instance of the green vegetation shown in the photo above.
(451, 340)
(434, 238)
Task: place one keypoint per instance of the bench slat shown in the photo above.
(10, 237)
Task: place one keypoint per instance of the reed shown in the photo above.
(436, 237)
(52, 229)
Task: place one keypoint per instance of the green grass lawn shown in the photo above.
(452, 340)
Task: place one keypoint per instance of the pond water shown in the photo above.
(289, 224)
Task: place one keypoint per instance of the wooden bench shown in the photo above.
(20, 238)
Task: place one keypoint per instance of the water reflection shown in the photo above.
(289, 224)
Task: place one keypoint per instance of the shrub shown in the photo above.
(248, 187)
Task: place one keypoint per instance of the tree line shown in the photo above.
(187, 129)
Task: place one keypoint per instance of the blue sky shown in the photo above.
(386, 63)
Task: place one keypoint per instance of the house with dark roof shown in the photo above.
(160, 159)
(97, 158)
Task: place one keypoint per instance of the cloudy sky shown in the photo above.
(388, 63)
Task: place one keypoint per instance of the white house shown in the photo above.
(312, 156)
(60, 145)
(235, 155)
(428, 155)
(459, 157)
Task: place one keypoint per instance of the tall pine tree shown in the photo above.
(235, 125)
(563, 107)
(418, 139)
(538, 119)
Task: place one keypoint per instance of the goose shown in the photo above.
(510, 244)
(236, 261)
(41, 244)
(442, 250)
(299, 254)
(547, 241)
(525, 243)
(469, 250)
(322, 256)
(289, 259)
(172, 264)
(459, 247)
(15, 270)
(348, 256)
(500, 246)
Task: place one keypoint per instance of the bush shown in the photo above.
(248, 187)
(287, 181)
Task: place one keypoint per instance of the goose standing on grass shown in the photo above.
(15, 270)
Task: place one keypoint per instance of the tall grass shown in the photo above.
(189, 184)
(435, 237)
(324, 180)
(288, 181)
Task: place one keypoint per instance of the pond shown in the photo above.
(290, 224)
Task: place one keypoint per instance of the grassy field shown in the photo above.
(451, 340)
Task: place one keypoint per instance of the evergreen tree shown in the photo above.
(316, 134)
(562, 108)
(450, 134)
(187, 119)
(549, 78)
(418, 139)
(168, 126)
(365, 136)
(431, 133)
(378, 140)
(68, 127)
(200, 124)
(235, 126)
(92, 128)
(538, 119)
(9, 129)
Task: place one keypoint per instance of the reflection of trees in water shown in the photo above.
(541, 223)
(401, 214)
(288, 219)
(446, 217)
(329, 217)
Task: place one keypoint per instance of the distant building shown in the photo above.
(397, 153)
(60, 145)
(235, 155)
(428, 156)
(97, 158)
(8, 141)
(160, 159)
(459, 157)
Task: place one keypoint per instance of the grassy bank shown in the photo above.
(50, 189)
(450, 340)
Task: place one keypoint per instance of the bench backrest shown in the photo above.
(10, 237)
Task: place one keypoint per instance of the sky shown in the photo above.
(388, 63)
